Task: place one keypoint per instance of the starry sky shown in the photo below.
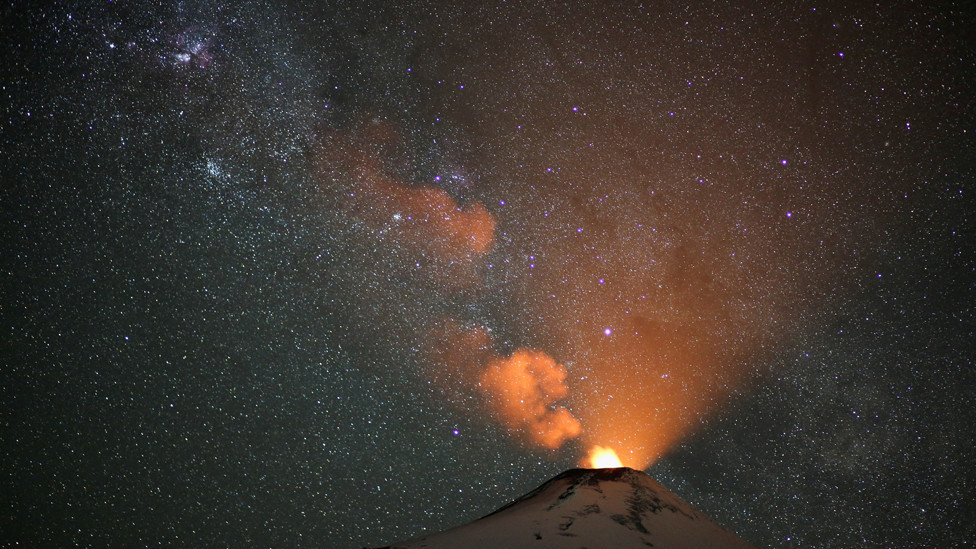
(334, 274)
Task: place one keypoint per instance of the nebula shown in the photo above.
(422, 228)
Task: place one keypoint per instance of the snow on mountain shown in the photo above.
(595, 508)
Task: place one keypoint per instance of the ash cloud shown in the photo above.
(524, 389)
(423, 252)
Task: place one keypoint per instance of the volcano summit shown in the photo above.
(620, 507)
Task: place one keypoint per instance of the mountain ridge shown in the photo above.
(619, 507)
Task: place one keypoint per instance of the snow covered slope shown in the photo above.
(594, 508)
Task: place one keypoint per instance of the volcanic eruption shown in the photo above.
(611, 507)
(603, 458)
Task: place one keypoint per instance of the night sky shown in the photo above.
(333, 274)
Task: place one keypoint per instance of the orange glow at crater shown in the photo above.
(603, 458)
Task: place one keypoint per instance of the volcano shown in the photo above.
(620, 508)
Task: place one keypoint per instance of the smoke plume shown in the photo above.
(432, 247)
(523, 389)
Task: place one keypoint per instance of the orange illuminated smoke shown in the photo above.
(524, 389)
(603, 458)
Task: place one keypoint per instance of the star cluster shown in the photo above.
(269, 271)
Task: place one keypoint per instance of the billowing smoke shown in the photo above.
(657, 253)
(422, 237)
(654, 314)
(524, 389)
